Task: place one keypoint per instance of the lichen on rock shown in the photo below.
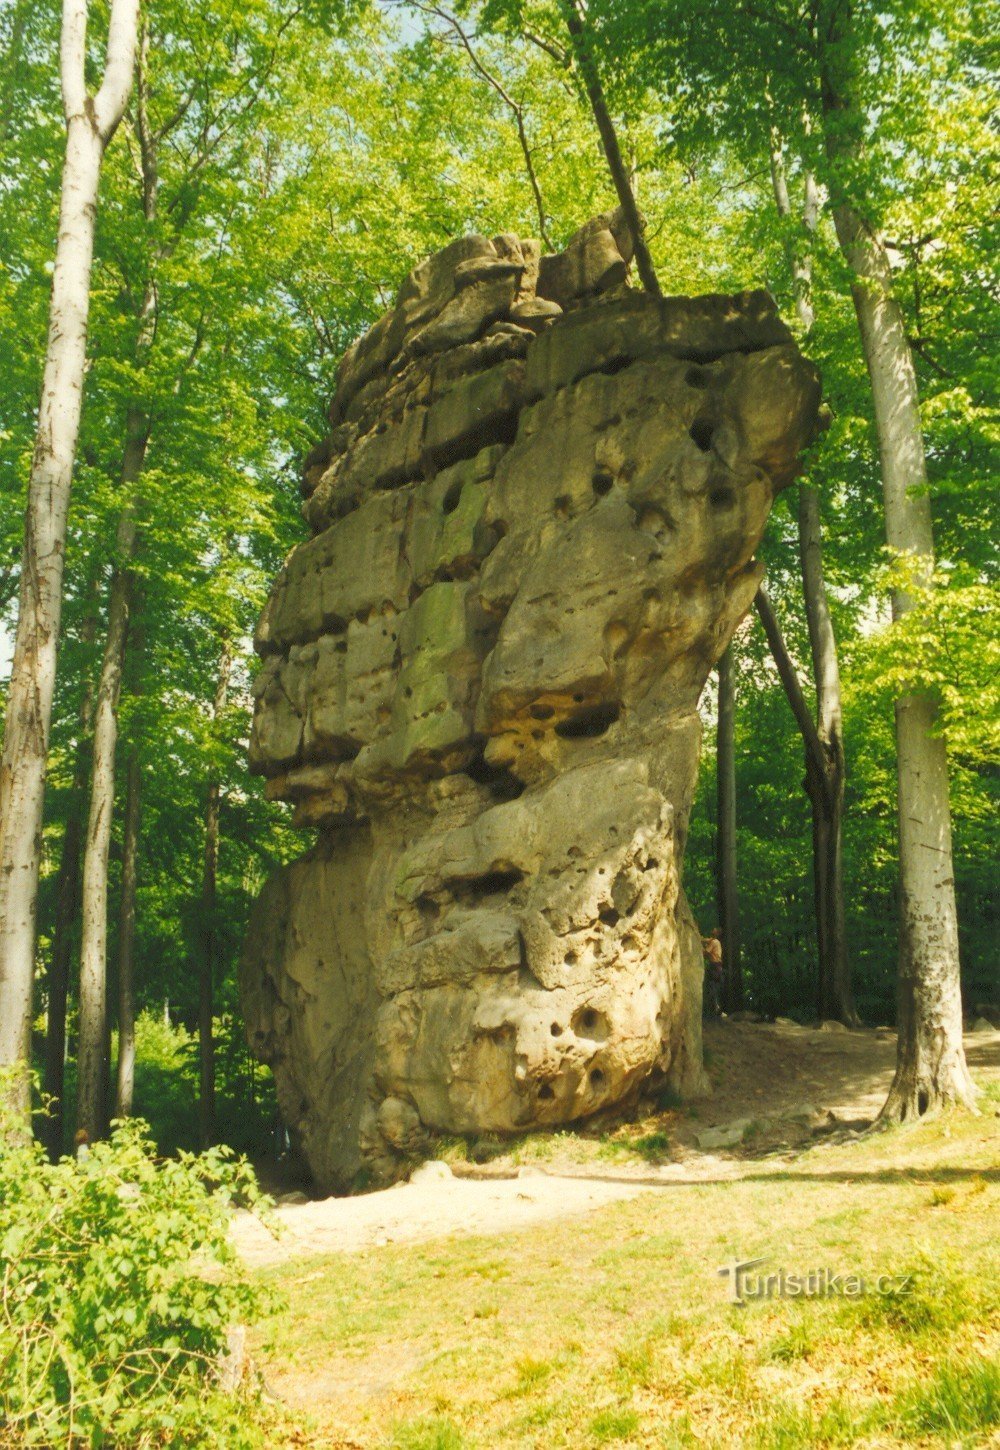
(534, 523)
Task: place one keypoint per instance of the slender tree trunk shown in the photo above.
(67, 906)
(583, 53)
(206, 994)
(726, 887)
(90, 123)
(799, 259)
(931, 1070)
(92, 1041)
(836, 997)
(92, 1066)
(125, 1082)
(825, 776)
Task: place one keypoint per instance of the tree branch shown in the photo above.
(111, 99)
(516, 108)
(609, 141)
(790, 680)
(72, 53)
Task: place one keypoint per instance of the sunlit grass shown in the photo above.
(613, 1328)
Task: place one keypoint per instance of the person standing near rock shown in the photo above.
(712, 947)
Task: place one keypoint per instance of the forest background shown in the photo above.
(280, 168)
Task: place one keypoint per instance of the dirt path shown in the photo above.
(759, 1072)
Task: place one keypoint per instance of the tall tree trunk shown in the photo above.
(90, 123)
(587, 65)
(726, 888)
(67, 906)
(825, 773)
(931, 1070)
(92, 1065)
(835, 996)
(206, 993)
(125, 1081)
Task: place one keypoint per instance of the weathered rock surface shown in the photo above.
(534, 530)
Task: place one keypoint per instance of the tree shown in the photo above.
(825, 761)
(209, 906)
(125, 1068)
(819, 75)
(205, 120)
(91, 121)
(931, 1068)
(727, 893)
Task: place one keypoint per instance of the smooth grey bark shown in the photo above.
(94, 1039)
(931, 1069)
(210, 872)
(90, 123)
(125, 1075)
(826, 767)
(92, 1048)
(726, 860)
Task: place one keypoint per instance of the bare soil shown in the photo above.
(833, 1082)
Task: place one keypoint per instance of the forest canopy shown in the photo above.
(277, 171)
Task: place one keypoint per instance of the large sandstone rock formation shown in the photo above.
(534, 529)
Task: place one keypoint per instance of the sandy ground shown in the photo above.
(758, 1071)
(422, 1210)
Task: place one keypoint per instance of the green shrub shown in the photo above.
(119, 1287)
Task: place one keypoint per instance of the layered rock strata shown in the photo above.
(534, 523)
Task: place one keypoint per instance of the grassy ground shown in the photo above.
(614, 1328)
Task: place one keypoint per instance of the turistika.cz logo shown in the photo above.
(744, 1285)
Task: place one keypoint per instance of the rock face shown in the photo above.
(534, 529)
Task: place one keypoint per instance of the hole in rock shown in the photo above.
(697, 377)
(562, 506)
(589, 1022)
(722, 498)
(541, 712)
(591, 723)
(923, 1102)
(570, 959)
(615, 365)
(701, 431)
(491, 883)
(450, 501)
(609, 916)
(596, 1078)
(556, 1030)
(429, 909)
(502, 784)
(546, 1091)
(654, 521)
(603, 483)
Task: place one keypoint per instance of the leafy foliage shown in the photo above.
(120, 1285)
